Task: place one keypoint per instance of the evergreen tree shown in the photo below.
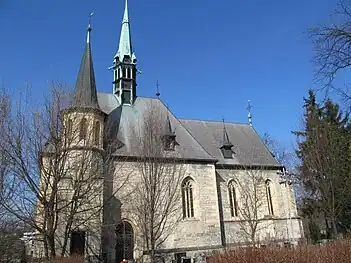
(325, 161)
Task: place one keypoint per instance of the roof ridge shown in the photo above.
(215, 121)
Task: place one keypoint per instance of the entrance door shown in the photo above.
(77, 243)
(124, 242)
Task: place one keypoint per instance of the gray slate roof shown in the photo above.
(248, 147)
(198, 140)
(85, 90)
(128, 121)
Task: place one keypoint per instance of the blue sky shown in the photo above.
(209, 57)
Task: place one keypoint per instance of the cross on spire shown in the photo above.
(249, 115)
(157, 90)
(89, 27)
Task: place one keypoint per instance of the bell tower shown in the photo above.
(124, 65)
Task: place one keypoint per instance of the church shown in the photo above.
(230, 190)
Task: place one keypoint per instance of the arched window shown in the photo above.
(124, 242)
(97, 133)
(83, 129)
(269, 197)
(188, 198)
(69, 128)
(233, 199)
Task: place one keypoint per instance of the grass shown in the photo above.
(335, 252)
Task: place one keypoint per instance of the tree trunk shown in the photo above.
(253, 239)
(64, 245)
(51, 243)
(46, 247)
(153, 256)
(334, 230)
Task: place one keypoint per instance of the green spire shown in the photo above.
(125, 41)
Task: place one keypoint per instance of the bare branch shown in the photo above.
(332, 49)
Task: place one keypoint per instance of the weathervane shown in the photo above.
(249, 115)
(157, 90)
(90, 15)
(89, 27)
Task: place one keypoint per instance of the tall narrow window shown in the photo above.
(97, 133)
(187, 198)
(269, 197)
(83, 129)
(128, 73)
(77, 243)
(69, 128)
(233, 199)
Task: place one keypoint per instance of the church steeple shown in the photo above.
(124, 65)
(85, 94)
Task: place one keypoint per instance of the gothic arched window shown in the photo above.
(124, 242)
(188, 197)
(269, 197)
(233, 199)
(97, 133)
(83, 129)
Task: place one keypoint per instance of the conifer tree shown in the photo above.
(323, 150)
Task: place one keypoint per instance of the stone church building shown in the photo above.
(218, 160)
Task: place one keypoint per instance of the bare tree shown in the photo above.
(249, 197)
(332, 48)
(157, 197)
(286, 158)
(57, 160)
(283, 155)
(10, 229)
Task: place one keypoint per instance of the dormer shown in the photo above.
(227, 146)
(169, 138)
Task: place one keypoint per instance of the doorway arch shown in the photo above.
(124, 242)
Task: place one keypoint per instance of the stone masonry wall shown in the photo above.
(283, 225)
(201, 231)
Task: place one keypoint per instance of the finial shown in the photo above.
(125, 15)
(157, 90)
(89, 27)
(249, 115)
(223, 125)
(226, 140)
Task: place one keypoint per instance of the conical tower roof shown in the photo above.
(85, 94)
